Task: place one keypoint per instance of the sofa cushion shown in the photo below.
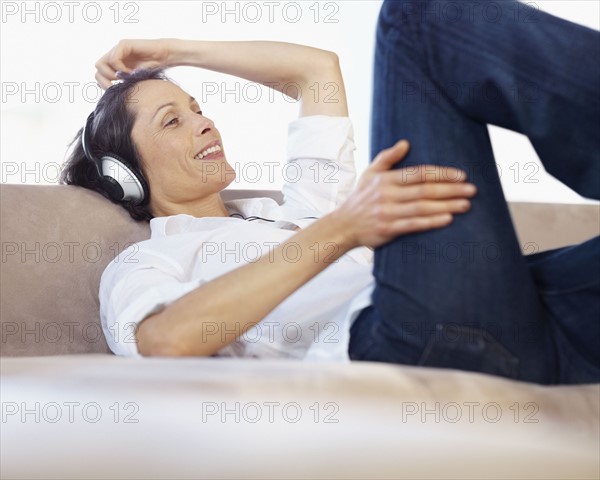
(56, 242)
(193, 418)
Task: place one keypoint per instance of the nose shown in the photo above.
(202, 125)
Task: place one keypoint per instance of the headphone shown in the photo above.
(117, 177)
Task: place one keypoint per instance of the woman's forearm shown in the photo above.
(218, 312)
(278, 65)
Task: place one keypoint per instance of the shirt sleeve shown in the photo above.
(320, 169)
(129, 292)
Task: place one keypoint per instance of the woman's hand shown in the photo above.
(128, 55)
(388, 203)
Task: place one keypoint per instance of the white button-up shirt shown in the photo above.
(184, 252)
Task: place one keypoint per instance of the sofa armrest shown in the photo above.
(544, 226)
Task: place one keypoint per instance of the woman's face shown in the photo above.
(172, 138)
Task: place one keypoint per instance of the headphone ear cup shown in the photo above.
(112, 187)
(121, 181)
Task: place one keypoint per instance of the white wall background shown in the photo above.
(48, 86)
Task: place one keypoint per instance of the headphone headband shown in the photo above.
(85, 142)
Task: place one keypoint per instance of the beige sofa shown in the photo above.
(71, 409)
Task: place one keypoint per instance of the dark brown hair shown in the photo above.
(111, 132)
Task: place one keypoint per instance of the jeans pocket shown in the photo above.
(471, 349)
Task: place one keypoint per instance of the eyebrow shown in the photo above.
(170, 104)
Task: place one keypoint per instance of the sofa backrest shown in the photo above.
(56, 242)
(58, 239)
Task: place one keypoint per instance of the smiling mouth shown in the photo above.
(210, 152)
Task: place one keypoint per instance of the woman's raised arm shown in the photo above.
(308, 74)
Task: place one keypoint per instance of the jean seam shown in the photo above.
(493, 346)
(569, 290)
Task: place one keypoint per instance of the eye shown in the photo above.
(175, 121)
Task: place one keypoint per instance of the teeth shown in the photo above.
(208, 151)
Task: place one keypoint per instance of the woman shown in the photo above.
(165, 143)
(181, 299)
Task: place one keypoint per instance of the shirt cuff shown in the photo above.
(318, 137)
(121, 328)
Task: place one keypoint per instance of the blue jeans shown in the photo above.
(464, 296)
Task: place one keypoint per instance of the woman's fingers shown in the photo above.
(391, 212)
(429, 207)
(403, 210)
(107, 68)
(116, 58)
(387, 158)
(419, 224)
(104, 75)
(101, 81)
(426, 173)
(112, 62)
(427, 191)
